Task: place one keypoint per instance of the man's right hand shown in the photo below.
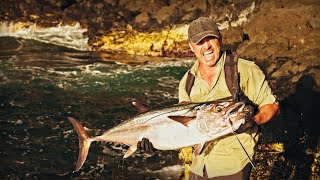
(249, 121)
(146, 146)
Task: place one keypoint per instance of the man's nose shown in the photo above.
(207, 44)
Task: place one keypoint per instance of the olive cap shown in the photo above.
(201, 28)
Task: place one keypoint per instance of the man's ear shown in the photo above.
(190, 45)
(220, 40)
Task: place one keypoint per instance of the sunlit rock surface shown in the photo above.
(167, 42)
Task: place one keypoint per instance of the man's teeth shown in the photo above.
(206, 53)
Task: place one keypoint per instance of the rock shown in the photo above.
(193, 5)
(165, 13)
(142, 19)
(285, 29)
(280, 31)
(232, 35)
(131, 5)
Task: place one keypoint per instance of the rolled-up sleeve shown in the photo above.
(254, 84)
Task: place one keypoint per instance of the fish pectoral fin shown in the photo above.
(130, 151)
(182, 119)
(198, 149)
(141, 108)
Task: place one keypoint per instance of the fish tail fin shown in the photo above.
(84, 142)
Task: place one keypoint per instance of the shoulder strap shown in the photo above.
(189, 82)
(231, 74)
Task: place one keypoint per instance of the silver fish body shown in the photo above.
(169, 128)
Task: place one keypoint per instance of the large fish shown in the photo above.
(170, 128)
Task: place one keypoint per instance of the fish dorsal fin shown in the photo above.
(130, 151)
(141, 108)
(182, 119)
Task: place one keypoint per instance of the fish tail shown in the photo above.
(84, 142)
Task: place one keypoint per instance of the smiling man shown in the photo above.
(224, 158)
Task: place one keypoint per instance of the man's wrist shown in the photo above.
(254, 119)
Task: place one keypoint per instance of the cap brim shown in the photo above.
(198, 37)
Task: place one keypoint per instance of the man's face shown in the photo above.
(207, 50)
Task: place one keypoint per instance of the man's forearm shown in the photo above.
(266, 113)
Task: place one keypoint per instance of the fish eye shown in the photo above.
(219, 108)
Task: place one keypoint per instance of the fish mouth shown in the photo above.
(236, 109)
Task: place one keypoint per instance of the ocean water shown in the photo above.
(42, 84)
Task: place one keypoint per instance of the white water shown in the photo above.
(67, 36)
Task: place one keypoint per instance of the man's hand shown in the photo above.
(245, 126)
(146, 146)
(249, 122)
(185, 102)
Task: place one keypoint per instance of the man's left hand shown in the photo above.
(145, 146)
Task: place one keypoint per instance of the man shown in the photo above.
(223, 158)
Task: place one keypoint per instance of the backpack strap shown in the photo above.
(232, 75)
(189, 82)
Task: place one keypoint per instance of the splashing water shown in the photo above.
(70, 36)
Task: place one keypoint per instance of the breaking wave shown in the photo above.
(67, 36)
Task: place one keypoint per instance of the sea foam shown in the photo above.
(70, 36)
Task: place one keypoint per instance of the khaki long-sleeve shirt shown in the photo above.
(225, 156)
